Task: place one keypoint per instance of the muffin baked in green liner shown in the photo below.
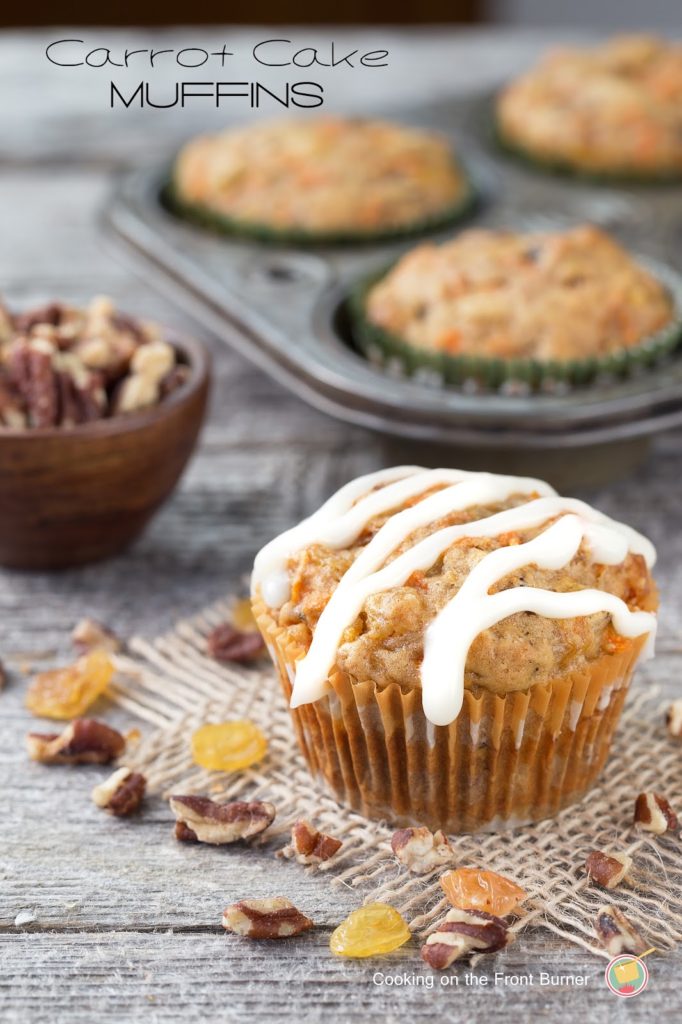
(563, 168)
(657, 294)
(609, 113)
(321, 180)
(210, 220)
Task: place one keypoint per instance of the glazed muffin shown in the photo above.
(570, 299)
(319, 179)
(456, 647)
(613, 109)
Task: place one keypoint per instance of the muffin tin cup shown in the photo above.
(563, 167)
(212, 220)
(385, 349)
(505, 761)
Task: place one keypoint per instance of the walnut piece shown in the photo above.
(226, 643)
(673, 719)
(205, 821)
(421, 850)
(85, 741)
(122, 793)
(308, 846)
(273, 918)
(608, 869)
(88, 634)
(653, 813)
(617, 934)
(463, 932)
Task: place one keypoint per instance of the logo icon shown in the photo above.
(627, 976)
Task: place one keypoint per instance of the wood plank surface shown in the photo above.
(127, 922)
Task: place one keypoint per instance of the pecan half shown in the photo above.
(463, 932)
(85, 741)
(607, 869)
(33, 374)
(421, 850)
(653, 813)
(274, 918)
(226, 643)
(205, 821)
(673, 719)
(89, 634)
(308, 846)
(122, 793)
(618, 934)
(51, 313)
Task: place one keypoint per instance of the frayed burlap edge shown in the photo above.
(173, 684)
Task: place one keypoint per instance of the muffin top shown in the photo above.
(446, 579)
(610, 108)
(326, 174)
(555, 296)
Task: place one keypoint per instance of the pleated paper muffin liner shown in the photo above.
(388, 350)
(506, 760)
(208, 218)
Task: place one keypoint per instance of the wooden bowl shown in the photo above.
(72, 495)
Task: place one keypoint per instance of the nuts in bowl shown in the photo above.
(99, 413)
(61, 365)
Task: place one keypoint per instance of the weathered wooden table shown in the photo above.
(127, 922)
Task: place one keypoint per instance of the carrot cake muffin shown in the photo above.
(323, 178)
(609, 109)
(456, 647)
(574, 298)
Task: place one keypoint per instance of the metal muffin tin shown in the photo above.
(282, 308)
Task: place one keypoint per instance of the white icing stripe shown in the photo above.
(610, 542)
(360, 581)
(473, 609)
(270, 564)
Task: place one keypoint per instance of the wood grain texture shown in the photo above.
(127, 921)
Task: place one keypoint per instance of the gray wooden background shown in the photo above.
(127, 921)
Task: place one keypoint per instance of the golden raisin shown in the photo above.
(228, 746)
(474, 889)
(242, 615)
(372, 929)
(68, 692)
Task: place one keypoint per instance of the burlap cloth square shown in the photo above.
(174, 685)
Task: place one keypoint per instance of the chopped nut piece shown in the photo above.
(617, 934)
(308, 846)
(421, 850)
(155, 360)
(463, 932)
(653, 813)
(673, 719)
(89, 634)
(274, 918)
(225, 643)
(202, 820)
(122, 793)
(85, 741)
(607, 869)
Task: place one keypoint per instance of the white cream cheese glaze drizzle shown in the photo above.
(473, 609)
